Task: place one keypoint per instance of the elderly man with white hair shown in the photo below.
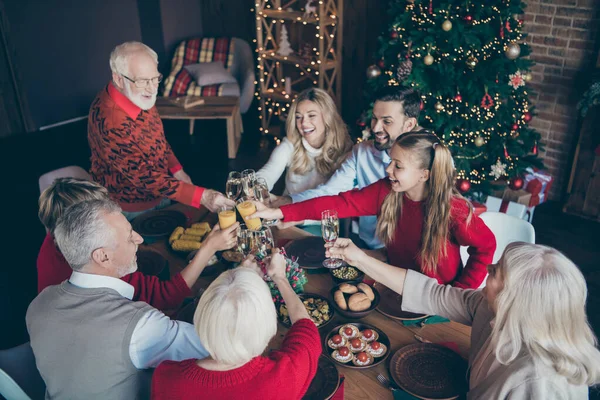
(89, 339)
(130, 154)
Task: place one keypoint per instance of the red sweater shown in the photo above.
(54, 269)
(131, 156)
(284, 374)
(404, 251)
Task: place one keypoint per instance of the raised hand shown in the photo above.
(346, 250)
(214, 200)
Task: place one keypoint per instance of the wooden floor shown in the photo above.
(25, 157)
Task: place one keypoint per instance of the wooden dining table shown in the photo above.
(358, 383)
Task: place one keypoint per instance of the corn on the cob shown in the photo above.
(176, 234)
(186, 245)
(193, 238)
(195, 232)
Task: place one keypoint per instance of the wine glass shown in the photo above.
(330, 228)
(263, 243)
(233, 188)
(245, 240)
(248, 182)
(261, 192)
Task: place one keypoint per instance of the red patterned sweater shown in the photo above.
(404, 250)
(284, 374)
(54, 269)
(130, 155)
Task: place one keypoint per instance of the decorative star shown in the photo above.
(498, 170)
(517, 79)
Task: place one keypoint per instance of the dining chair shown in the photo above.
(72, 171)
(506, 229)
(19, 376)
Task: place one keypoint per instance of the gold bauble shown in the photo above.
(479, 141)
(428, 59)
(528, 77)
(439, 106)
(373, 72)
(472, 62)
(447, 25)
(513, 50)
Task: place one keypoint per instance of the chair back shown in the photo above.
(72, 171)
(506, 229)
(19, 376)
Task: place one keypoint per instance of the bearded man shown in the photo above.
(130, 154)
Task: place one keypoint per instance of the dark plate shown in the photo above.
(391, 304)
(155, 224)
(303, 297)
(153, 263)
(358, 278)
(186, 313)
(354, 314)
(325, 382)
(310, 252)
(383, 339)
(209, 270)
(429, 371)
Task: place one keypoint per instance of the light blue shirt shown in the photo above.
(156, 337)
(366, 165)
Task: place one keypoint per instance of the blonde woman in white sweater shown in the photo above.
(317, 143)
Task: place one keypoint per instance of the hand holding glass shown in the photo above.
(261, 192)
(246, 207)
(330, 227)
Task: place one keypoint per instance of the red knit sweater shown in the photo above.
(130, 155)
(405, 249)
(54, 269)
(284, 374)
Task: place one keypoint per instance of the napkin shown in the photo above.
(434, 319)
(339, 393)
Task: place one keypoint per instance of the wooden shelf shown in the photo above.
(276, 94)
(298, 17)
(296, 60)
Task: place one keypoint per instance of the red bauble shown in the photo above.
(527, 116)
(468, 18)
(381, 63)
(394, 34)
(421, 106)
(458, 98)
(535, 149)
(361, 123)
(516, 183)
(514, 127)
(463, 185)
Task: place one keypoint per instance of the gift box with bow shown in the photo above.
(537, 182)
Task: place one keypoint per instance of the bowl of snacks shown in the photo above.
(357, 345)
(347, 273)
(354, 299)
(318, 307)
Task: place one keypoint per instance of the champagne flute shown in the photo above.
(245, 242)
(261, 192)
(330, 228)
(248, 182)
(233, 188)
(263, 244)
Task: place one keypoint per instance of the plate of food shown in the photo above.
(346, 273)
(326, 381)
(357, 345)
(186, 240)
(354, 299)
(318, 307)
(232, 256)
(390, 304)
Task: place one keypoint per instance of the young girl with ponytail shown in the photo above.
(421, 217)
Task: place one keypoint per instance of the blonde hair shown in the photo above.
(432, 155)
(541, 309)
(65, 192)
(337, 140)
(235, 318)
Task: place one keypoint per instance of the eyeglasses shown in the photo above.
(143, 83)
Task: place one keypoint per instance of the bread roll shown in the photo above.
(338, 296)
(366, 289)
(359, 302)
(348, 288)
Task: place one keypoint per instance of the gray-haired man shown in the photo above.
(89, 339)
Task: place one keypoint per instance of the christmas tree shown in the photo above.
(466, 58)
(284, 43)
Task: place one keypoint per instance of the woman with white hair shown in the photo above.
(235, 320)
(530, 336)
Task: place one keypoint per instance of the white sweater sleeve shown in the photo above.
(279, 160)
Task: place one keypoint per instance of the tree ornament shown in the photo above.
(514, 126)
(404, 69)
(516, 183)
(528, 77)
(463, 185)
(468, 18)
(394, 34)
(458, 98)
(501, 29)
(361, 123)
(472, 62)
(527, 117)
(381, 63)
(498, 170)
(514, 134)
(513, 50)
(430, 7)
(516, 80)
(479, 141)
(447, 25)
(438, 106)
(428, 59)
(421, 106)
(487, 102)
(373, 71)
(284, 43)
(506, 155)
(535, 149)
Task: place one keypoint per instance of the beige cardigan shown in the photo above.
(521, 379)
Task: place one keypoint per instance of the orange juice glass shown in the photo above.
(246, 207)
(226, 217)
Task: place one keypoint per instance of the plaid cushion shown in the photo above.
(194, 51)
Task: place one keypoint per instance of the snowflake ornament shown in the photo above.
(498, 170)
(517, 79)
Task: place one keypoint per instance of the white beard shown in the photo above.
(128, 269)
(139, 100)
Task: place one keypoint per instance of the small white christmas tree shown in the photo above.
(284, 43)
